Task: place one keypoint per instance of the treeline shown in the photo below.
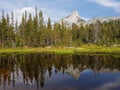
(34, 32)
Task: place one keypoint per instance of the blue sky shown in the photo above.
(57, 9)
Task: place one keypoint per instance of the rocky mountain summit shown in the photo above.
(75, 18)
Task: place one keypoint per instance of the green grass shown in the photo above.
(97, 49)
(64, 50)
(34, 50)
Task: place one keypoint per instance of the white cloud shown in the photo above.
(108, 3)
(54, 14)
(109, 85)
(18, 13)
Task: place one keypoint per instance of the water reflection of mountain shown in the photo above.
(32, 68)
(73, 72)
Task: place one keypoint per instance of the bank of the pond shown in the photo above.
(64, 50)
(35, 50)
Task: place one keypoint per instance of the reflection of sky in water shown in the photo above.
(88, 80)
(75, 76)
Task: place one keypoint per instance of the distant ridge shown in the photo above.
(102, 19)
(74, 17)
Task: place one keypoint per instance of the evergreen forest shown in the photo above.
(33, 31)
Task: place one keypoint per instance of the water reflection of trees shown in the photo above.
(35, 66)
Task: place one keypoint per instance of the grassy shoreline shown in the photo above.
(85, 49)
(35, 50)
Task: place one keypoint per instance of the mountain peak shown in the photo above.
(72, 18)
(75, 13)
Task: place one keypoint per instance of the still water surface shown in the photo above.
(37, 71)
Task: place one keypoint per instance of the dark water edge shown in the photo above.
(40, 71)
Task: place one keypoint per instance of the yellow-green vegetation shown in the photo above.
(97, 49)
(64, 50)
(34, 50)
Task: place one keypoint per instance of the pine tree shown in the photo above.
(48, 32)
(57, 28)
(40, 28)
(3, 31)
(11, 31)
(35, 28)
(17, 38)
(30, 31)
(22, 31)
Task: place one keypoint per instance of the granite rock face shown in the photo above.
(75, 18)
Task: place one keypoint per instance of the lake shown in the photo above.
(38, 71)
